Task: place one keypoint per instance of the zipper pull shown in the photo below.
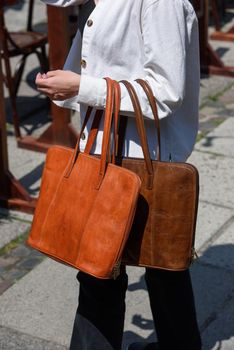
(194, 255)
(116, 270)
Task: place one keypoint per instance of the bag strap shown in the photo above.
(120, 123)
(97, 120)
(77, 147)
(141, 131)
(117, 94)
(152, 101)
(106, 130)
(106, 134)
(124, 120)
(93, 131)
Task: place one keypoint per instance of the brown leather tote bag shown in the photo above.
(163, 230)
(86, 205)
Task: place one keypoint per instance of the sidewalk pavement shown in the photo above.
(38, 297)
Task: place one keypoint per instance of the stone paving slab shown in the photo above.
(213, 288)
(14, 340)
(221, 251)
(220, 140)
(138, 320)
(209, 118)
(210, 219)
(225, 51)
(216, 178)
(4, 285)
(22, 158)
(33, 111)
(227, 97)
(212, 85)
(11, 229)
(220, 333)
(13, 214)
(16, 260)
(26, 166)
(43, 303)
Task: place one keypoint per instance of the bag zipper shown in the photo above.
(116, 270)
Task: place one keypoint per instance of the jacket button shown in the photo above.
(83, 63)
(83, 136)
(89, 23)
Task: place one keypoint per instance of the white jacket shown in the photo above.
(156, 40)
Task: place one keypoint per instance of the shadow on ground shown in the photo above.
(212, 277)
(34, 113)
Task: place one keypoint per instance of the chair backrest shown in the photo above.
(15, 2)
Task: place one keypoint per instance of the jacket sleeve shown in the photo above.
(165, 34)
(64, 3)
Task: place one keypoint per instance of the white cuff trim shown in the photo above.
(92, 91)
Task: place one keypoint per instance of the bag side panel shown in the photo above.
(163, 231)
(109, 224)
(57, 159)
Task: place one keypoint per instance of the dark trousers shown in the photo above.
(99, 320)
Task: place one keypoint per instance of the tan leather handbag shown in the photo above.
(86, 205)
(163, 230)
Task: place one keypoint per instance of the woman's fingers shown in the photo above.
(55, 95)
(41, 81)
(44, 90)
(53, 73)
(58, 85)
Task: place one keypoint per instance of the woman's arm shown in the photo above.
(166, 37)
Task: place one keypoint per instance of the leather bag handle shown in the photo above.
(93, 131)
(106, 130)
(77, 147)
(106, 134)
(149, 93)
(97, 120)
(141, 131)
(117, 94)
(152, 101)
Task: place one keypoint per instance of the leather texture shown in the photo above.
(163, 230)
(86, 204)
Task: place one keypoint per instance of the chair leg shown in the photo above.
(10, 85)
(42, 57)
(215, 14)
(223, 8)
(18, 73)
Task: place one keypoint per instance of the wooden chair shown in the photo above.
(218, 11)
(219, 34)
(210, 61)
(12, 194)
(215, 14)
(21, 43)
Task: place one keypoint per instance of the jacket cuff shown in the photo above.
(92, 91)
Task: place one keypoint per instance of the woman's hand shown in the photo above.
(58, 84)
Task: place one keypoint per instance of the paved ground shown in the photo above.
(38, 297)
